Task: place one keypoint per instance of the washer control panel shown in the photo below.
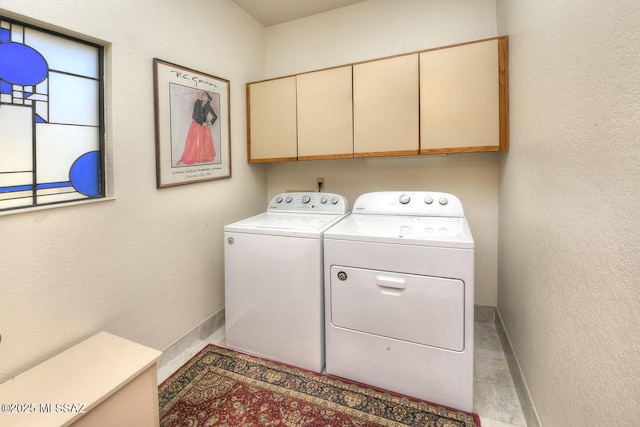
(415, 203)
(309, 202)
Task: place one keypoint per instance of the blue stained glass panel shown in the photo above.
(21, 64)
(84, 174)
(51, 136)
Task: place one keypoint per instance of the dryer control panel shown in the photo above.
(414, 203)
(309, 202)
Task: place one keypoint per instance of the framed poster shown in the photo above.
(192, 125)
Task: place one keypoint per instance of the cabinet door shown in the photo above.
(325, 114)
(271, 110)
(460, 97)
(385, 107)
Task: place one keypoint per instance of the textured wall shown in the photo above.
(569, 229)
(374, 29)
(148, 265)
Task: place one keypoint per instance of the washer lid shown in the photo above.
(286, 224)
(403, 229)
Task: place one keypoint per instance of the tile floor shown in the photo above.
(495, 397)
(494, 394)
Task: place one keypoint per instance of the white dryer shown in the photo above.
(399, 295)
(274, 304)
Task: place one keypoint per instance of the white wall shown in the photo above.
(569, 259)
(147, 266)
(374, 29)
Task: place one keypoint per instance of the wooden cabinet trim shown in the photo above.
(503, 78)
(387, 154)
(273, 159)
(248, 110)
(327, 157)
(474, 149)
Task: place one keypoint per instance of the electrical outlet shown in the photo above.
(320, 184)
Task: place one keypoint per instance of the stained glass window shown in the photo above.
(51, 118)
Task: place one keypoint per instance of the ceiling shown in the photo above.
(271, 12)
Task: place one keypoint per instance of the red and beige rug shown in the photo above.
(221, 387)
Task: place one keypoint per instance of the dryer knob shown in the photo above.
(323, 200)
(428, 200)
(334, 200)
(306, 199)
(279, 199)
(288, 199)
(404, 199)
(443, 201)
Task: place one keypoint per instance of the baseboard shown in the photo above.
(201, 331)
(484, 313)
(526, 402)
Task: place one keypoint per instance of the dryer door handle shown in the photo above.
(391, 282)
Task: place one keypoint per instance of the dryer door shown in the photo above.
(420, 309)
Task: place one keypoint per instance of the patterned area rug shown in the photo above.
(221, 387)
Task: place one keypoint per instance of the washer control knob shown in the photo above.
(323, 200)
(404, 199)
(288, 199)
(279, 199)
(443, 201)
(334, 200)
(305, 199)
(428, 200)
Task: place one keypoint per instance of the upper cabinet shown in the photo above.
(462, 98)
(271, 115)
(385, 107)
(446, 100)
(325, 119)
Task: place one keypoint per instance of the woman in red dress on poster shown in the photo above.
(198, 147)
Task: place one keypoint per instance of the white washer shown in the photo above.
(399, 296)
(274, 304)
